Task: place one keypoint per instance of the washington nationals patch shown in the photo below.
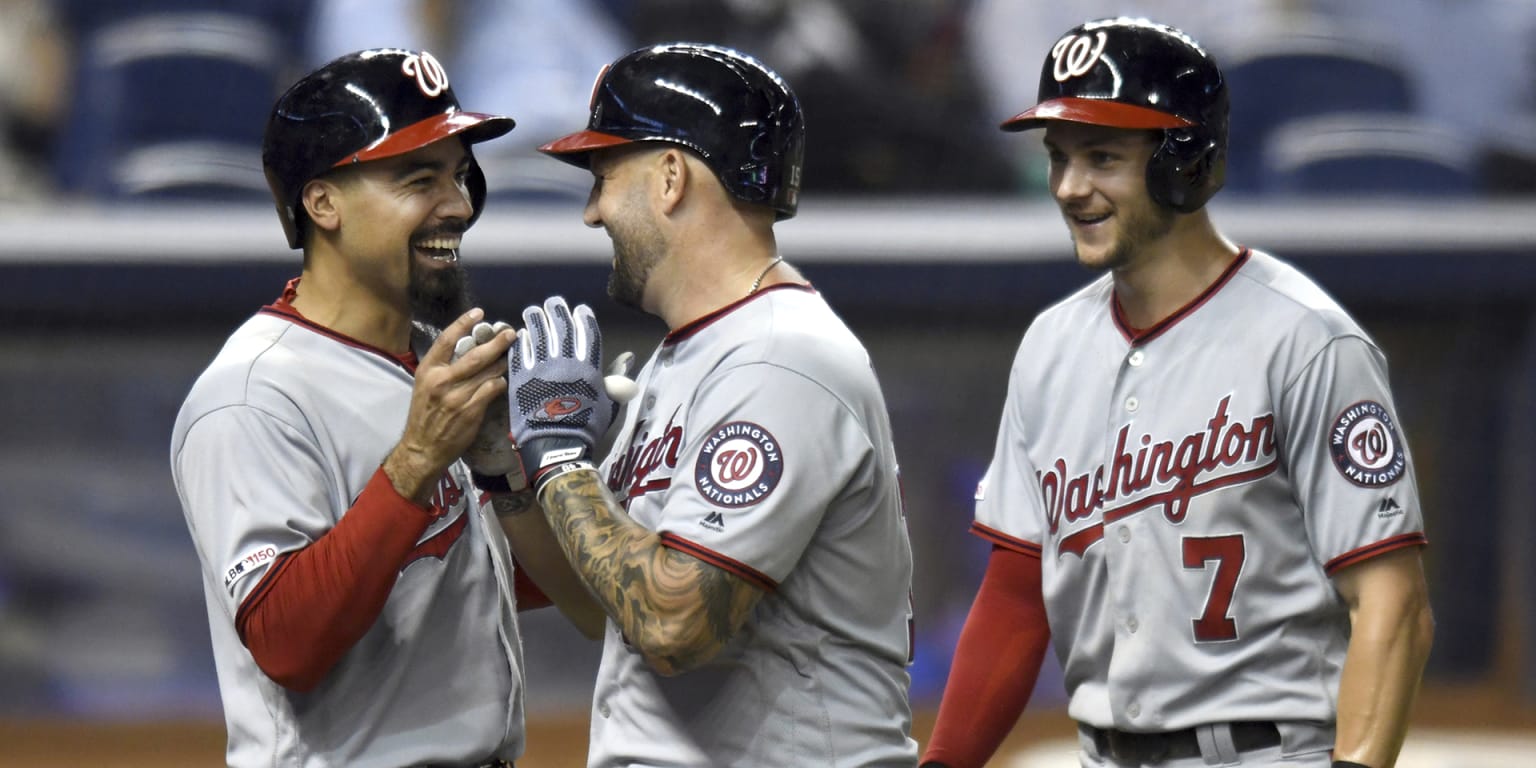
(739, 465)
(1365, 447)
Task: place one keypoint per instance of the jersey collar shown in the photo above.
(691, 328)
(283, 308)
(1139, 336)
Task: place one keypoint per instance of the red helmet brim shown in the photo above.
(1094, 112)
(475, 127)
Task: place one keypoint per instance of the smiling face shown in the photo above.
(403, 218)
(618, 204)
(1098, 176)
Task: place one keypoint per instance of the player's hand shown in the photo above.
(448, 404)
(492, 457)
(558, 404)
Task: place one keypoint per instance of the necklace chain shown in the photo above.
(759, 281)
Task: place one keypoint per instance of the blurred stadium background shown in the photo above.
(1386, 146)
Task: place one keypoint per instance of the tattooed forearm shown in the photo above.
(676, 609)
(510, 504)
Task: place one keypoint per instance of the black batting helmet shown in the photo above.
(1134, 73)
(736, 113)
(365, 106)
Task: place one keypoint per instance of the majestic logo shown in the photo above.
(1365, 447)
(1074, 55)
(1184, 468)
(714, 521)
(430, 75)
(739, 465)
(1389, 508)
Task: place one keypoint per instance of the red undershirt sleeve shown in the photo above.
(529, 596)
(997, 661)
(317, 602)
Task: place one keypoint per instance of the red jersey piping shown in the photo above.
(284, 309)
(1000, 539)
(1138, 336)
(755, 577)
(700, 324)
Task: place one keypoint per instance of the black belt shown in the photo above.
(498, 763)
(1132, 747)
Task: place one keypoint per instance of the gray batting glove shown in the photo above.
(492, 457)
(558, 404)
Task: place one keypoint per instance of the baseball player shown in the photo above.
(1200, 488)
(361, 594)
(745, 535)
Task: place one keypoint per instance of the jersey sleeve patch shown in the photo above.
(739, 465)
(246, 564)
(1365, 446)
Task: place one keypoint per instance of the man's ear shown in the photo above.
(671, 180)
(322, 202)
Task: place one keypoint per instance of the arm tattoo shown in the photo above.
(512, 504)
(679, 610)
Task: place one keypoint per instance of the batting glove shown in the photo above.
(492, 458)
(556, 397)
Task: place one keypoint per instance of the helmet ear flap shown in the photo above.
(1185, 170)
(474, 181)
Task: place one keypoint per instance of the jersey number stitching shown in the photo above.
(1214, 625)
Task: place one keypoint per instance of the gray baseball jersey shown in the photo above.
(273, 444)
(1190, 489)
(760, 443)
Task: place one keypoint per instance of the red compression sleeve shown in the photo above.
(529, 596)
(996, 663)
(317, 602)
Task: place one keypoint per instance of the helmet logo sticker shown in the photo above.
(1074, 55)
(429, 74)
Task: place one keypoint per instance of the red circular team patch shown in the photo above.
(740, 464)
(1365, 446)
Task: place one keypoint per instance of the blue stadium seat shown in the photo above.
(1302, 76)
(170, 100)
(1368, 154)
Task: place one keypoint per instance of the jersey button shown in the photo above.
(1131, 404)
(1134, 709)
(1136, 358)
(1125, 534)
(602, 709)
(1132, 625)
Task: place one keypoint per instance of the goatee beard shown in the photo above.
(626, 284)
(438, 296)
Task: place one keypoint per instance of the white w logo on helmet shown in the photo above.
(430, 76)
(1074, 55)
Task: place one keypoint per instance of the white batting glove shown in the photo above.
(617, 383)
(492, 456)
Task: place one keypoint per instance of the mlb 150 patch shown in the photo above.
(1365, 445)
(739, 465)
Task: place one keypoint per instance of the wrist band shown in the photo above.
(1348, 764)
(555, 470)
